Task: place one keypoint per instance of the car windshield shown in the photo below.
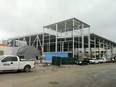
(80, 59)
(93, 59)
(1, 57)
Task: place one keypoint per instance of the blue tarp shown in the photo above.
(49, 55)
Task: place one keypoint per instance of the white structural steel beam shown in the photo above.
(56, 38)
(62, 46)
(99, 49)
(82, 36)
(49, 41)
(111, 48)
(73, 38)
(30, 41)
(65, 29)
(43, 42)
(34, 40)
(106, 49)
(95, 46)
(37, 42)
(89, 42)
(103, 47)
(68, 46)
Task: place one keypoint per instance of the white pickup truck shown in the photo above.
(11, 62)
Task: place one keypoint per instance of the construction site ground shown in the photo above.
(94, 75)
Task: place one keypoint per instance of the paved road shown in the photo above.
(99, 75)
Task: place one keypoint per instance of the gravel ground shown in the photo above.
(96, 75)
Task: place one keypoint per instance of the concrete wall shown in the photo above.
(6, 50)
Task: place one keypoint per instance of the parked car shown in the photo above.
(100, 60)
(93, 61)
(12, 62)
(104, 60)
(82, 61)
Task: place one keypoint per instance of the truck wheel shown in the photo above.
(27, 69)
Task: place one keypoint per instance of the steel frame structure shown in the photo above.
(68, 35)
(67, 28)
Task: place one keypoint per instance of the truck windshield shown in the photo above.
(1, 57)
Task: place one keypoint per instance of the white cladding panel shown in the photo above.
(6, 50)
(114, 50)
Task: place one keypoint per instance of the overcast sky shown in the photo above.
(23, 17)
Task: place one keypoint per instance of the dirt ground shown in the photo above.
(96, 75)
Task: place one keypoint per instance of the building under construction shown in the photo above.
(72, 36)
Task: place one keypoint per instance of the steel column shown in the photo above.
(56, 39)
(68, 47)
(62, 46)
(79, 45)
(95, 46)
(99, 49)
(43, 42)
(106, 50)
(19, 42)
(111, 51)
(65, 31)
(73, 38)
(14, 43)
(34, 41)
(30, 41)
(82, 36)
(103, 48)
(89, 42)
(49, 41)
(37, 42)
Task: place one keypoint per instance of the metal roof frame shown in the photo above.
(68, 25)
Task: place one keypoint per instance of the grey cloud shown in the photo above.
(20, 17)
